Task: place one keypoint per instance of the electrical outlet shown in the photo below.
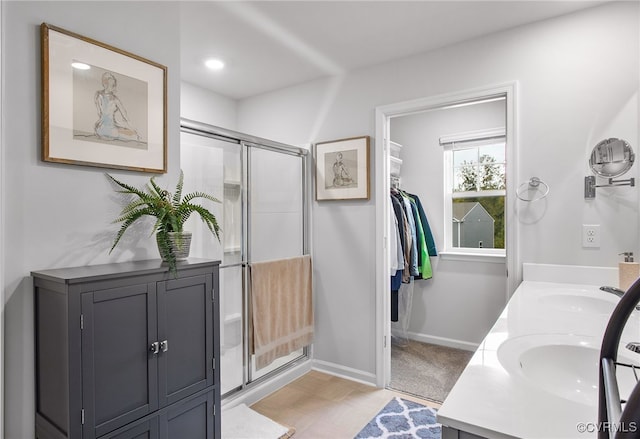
(591, 235)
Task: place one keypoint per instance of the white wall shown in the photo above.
(207, 107)
(483, 286)
(578, 83)
(60, 215)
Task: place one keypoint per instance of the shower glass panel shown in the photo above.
(263, 213)
(276, 216)
(214, 166)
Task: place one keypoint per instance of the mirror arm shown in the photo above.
(627, 182)
(590, 185)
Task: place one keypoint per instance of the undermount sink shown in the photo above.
(579, 303)
(566, 366)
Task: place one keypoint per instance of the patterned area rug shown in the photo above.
(403, 419)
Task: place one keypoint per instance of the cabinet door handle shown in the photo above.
(154, 348)
(164, 345)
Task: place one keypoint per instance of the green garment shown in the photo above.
(425, 262)
(431, 244)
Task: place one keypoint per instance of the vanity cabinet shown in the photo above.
(128, 351)
(452, 433)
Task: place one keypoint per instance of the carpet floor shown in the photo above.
(403, 419)
(426, 370)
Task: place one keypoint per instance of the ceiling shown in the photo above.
(268, 45)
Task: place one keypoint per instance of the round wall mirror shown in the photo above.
(611, 158)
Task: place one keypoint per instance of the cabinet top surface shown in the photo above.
(95, 272)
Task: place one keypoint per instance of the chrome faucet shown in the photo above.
(613, 290)
(617, 291)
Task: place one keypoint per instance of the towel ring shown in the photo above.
(533, 183)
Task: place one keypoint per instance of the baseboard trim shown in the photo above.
(259, 391)
(443, 341)
(263, 389)
(348, 373)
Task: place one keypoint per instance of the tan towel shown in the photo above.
(282, 310)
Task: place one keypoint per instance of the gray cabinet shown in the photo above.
(127, 351)
(190, 418)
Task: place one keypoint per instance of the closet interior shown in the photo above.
(435, 276)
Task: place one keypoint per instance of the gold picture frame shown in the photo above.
(101, 106)
(342, 169)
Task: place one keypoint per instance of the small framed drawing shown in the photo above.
(101, 106)
(342, 169)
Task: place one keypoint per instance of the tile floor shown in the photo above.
(319, 406)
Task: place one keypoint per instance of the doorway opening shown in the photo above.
(453, 153)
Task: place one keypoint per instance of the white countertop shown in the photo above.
(495, 398)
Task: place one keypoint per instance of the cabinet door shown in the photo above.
(145, 429)
(119, 372)
(185, 331)
(192, 418)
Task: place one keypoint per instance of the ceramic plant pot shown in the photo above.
(180, 243)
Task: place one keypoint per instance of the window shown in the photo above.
(475, 191)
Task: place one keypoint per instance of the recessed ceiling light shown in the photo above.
(80, 65)
(214, 64)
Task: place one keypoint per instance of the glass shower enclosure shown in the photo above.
(264, 215)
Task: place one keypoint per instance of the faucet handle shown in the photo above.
(628, 256)
(634, 346)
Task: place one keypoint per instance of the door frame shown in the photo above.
(383, 114)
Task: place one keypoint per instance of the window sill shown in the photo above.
(472, 257)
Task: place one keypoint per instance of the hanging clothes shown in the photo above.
(411, 245)
(431, 245)
(418, 254)
(396, 261)
(399, 231)
(410, 214)
(413, 259)
(424, 263)
(403, 220)
(394, 305)
(397, 210)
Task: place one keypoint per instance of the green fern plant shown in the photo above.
(170, 210)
